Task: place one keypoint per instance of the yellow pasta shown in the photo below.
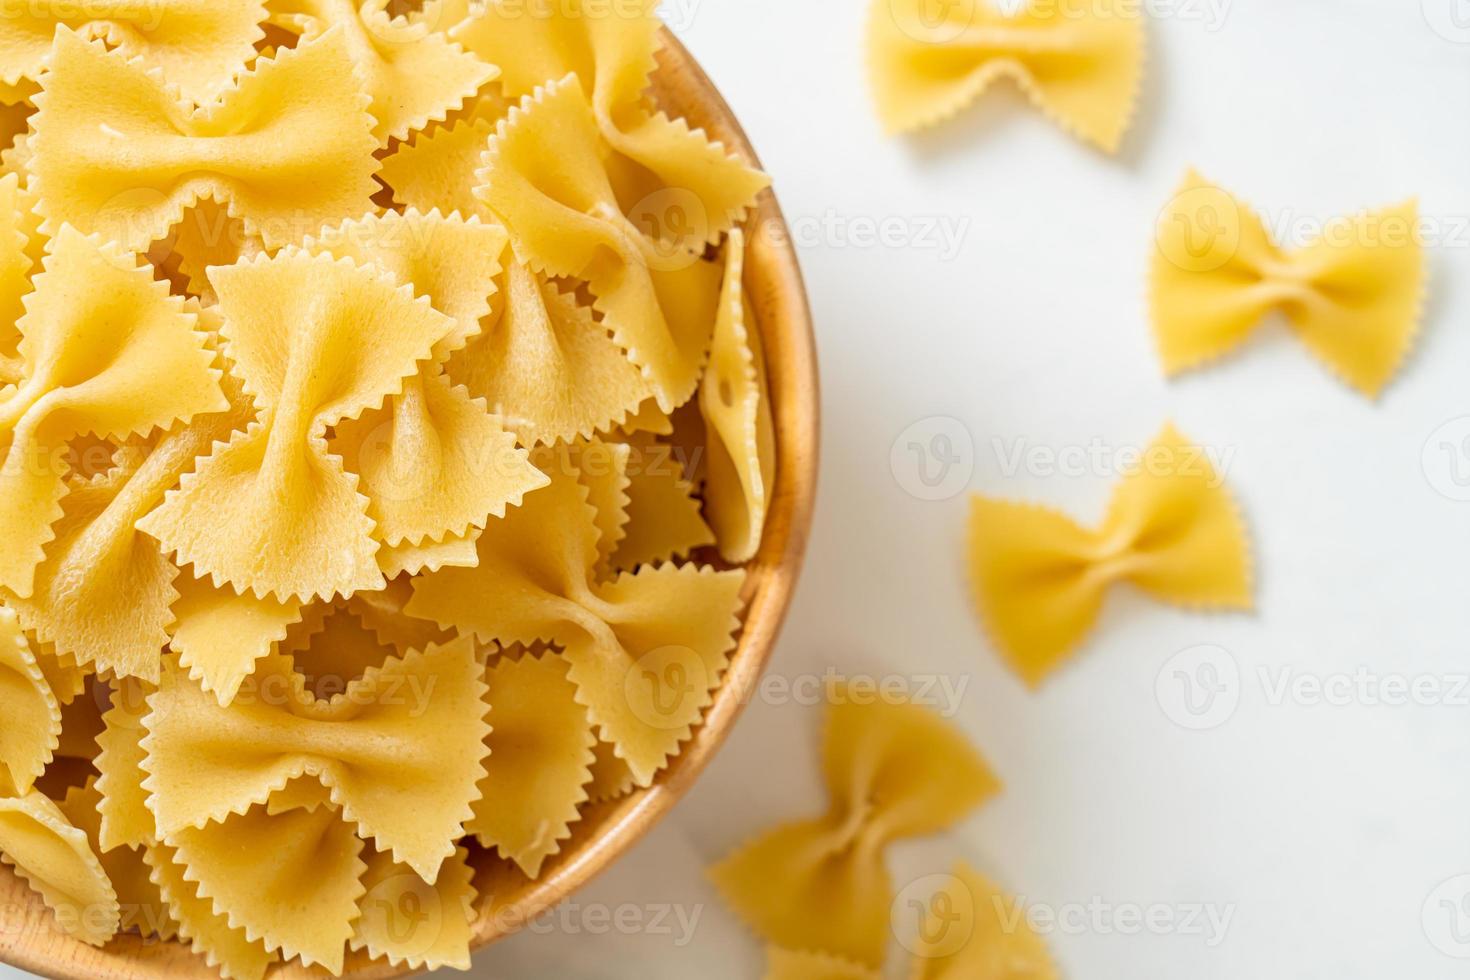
(208, 932)
(679, 187)
(547, 367)
(32, 729)
(567, 221)
(1353, 297)
(893, 770)
(1080, 61)
(198, 47)
(302, 157)
(411, 923)
(125, 820)
(335, 652)
(972, 928)
(384, 614)
(436, 169)
(296, 889)
(602, 468)
(663, 520)
(1172, 530)
(740, 443)
(141, 906)
(58, 862)
(118, 382)
(435, 463)
(611, 777)
(206, 235)
(275, 491)
(204, 763)
(220, 634)
(67, 678)
(339, 343)
(542, 362)
(16, 266)
(540, 754)
(413, 74)
(645, 649)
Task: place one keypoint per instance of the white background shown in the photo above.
(1321, 829)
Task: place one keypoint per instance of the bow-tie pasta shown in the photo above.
(1080, 61)
(353, 559)
(289, 147)
(1353, 296)
(1172, 530)
(893, 770)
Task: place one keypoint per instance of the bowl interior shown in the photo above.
(28, 936)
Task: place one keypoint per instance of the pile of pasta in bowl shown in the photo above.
(382, 424)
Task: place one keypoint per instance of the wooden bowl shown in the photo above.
(28, 936)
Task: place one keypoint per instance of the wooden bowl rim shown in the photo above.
(784, 318)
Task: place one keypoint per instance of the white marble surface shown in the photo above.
(1320, 829)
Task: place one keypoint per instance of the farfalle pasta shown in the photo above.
(740, 442)
(200, 772)
(237, 516)
(288, 147)
(150, 370)
(893, 770)
(198, 47)
(645, 649)
(1353, 296)
(660, 161)
(1172, 530)
(819, 892)
(413, 75)
(567, 221)
(1080, 61)
(349, 545)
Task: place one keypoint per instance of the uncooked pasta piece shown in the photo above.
(1172, 530)
(1353, 296)
(1080, 61)
(893, 770)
